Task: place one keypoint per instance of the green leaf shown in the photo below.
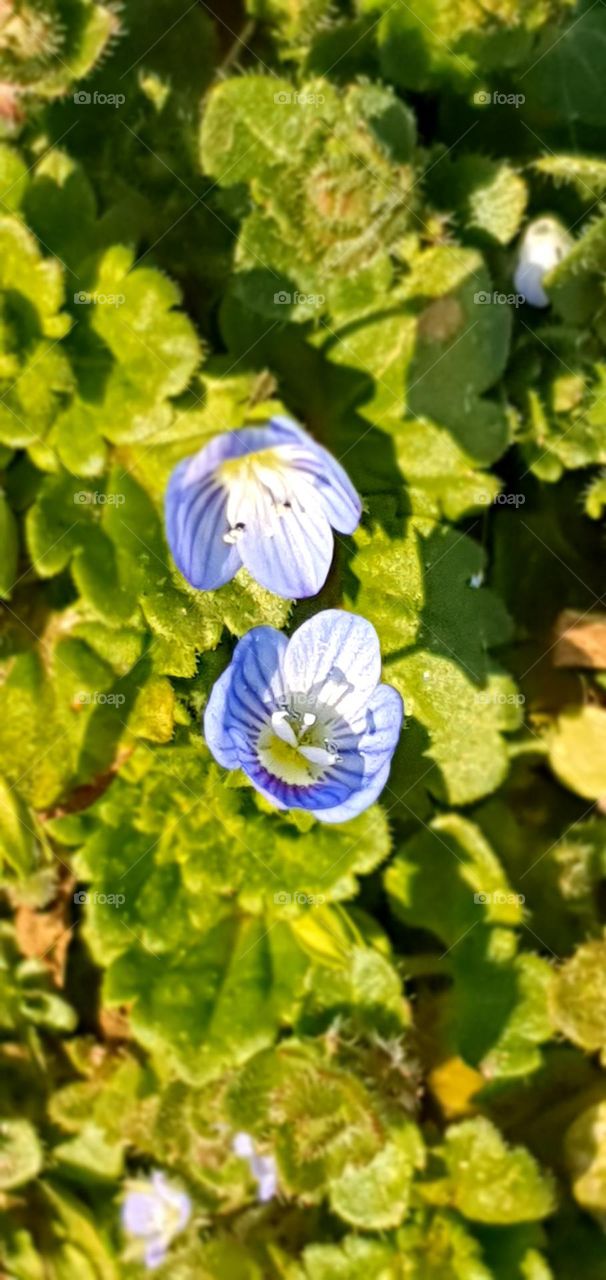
(585, 1154)
(89, 1157)
(17, 839)
(213, 1005)
(489, 197)
(493, 1183)
(9, 547)
(355, 1258)
(377, 1196)
(447, 879)
(577, 750)
(20, 1153)
(567, 66)
(578, 997)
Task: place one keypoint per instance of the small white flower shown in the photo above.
(544, 244)
(263, 1168)
(154, 1211)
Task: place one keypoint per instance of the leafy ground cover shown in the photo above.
(373, 1049)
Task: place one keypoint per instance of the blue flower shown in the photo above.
(264, 497)
(545, 243)
(263, 1168)
(306, 718)
(154, 1211)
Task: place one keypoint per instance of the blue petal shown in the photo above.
(336, 656)
(341, 502)
(155, 1254)
(340, 782)
(257, 683)
(385, 713)
(358, 801)
(195, 509)
(196, 521)
(218, 738)
(245, 694)
(293, 559)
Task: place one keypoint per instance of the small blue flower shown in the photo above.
(263, 1168)
(544, 245)
(264, 497)
(154, 1211)
(306, 718)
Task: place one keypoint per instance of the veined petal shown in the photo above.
(231, 444)
(331, 790)
(358, 801)
(216, 733)
(257, 684)
(335, 656)
(342, 503)
(289, 553)
(385, 713)
(196, 522)
(287, 431)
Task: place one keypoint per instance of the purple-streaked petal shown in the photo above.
(335, 656)
(385, 713)
(155, 1254)
(257, 681)
(341, 501)
(291, 553)
(342, 504)
(332, 789)
(222, 448)
(358, 801)
(287, 431)
(218, 738)
(196, 523)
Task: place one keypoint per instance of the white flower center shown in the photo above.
(263, 486)
(295, 745)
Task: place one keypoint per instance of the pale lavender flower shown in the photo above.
(154, 1211)
(263, 1168)
(266, 497)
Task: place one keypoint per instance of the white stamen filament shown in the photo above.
(233, 535)
(317, 755)
(309, 752)
(282, 728)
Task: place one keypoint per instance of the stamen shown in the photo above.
(317, 755)
(234, 535)
(282, 728)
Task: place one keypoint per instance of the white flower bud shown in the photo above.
(544, 244)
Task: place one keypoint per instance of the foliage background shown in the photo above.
(310, 207)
